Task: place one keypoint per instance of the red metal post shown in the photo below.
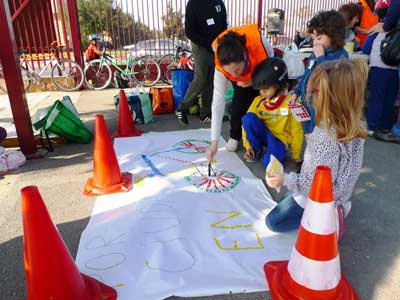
(15, 87)
(259, 13)
(75, 31)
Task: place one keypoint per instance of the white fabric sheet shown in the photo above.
(173, 234)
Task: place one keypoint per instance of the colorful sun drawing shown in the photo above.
(220, 181)
(192, 146)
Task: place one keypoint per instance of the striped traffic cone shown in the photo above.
(313, 270)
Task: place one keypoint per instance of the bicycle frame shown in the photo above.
(25, 64)
(113, 61)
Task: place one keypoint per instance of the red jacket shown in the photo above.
(92, 52)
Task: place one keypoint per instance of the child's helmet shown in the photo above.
(94, 37)
(380, 4)
(269, 72)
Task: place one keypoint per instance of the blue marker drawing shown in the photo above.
(152, 167)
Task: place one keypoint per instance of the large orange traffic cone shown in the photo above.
(50, 270)
(107, 177)
(126, 124)
(313, 271)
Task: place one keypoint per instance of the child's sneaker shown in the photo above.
(232, 145)
(182, 116)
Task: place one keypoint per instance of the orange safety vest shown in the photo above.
(255, 48)
(368, 19)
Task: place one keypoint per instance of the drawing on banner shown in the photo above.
(105, 262)
(99, 242)
(185, 262)
(160, 217)
(236, 247)
(221, 181)
(232, 215)
(192, 146)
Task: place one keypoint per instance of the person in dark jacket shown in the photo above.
(392, 18)
(204, 21)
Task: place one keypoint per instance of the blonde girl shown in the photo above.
(337, 88)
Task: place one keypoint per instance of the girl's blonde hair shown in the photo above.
(337, 88)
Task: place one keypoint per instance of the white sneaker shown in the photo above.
(232, 145)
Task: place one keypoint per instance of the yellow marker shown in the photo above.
(233, 214)
(119, 285)
(236, 247)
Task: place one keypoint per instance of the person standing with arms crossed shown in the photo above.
(237, 51)
(204, 21)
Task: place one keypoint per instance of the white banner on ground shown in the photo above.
(179, 231)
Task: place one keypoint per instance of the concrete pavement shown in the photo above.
(369, 252)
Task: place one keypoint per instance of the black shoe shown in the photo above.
(386, 136)
(182, 116)
(206, 120)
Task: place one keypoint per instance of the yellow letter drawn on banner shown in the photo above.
(232, 214)
(237, 248)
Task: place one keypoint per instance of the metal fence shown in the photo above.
(142, 26)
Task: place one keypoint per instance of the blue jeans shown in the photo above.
(258, 135)
(384, 84)
(285, 216)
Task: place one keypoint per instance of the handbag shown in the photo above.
(390, 48)
(181, 80)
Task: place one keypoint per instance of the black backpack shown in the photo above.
(390, 48)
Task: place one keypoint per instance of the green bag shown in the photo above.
(146, 107)
(64, 123)
(39, 118)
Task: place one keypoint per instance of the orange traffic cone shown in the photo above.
(107, 177)
(50, 269)
(313, 271)
(126, 124)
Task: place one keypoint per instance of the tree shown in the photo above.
(107, 18)
(173, 22)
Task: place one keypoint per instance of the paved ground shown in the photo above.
(370, 250)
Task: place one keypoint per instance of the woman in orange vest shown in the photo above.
(237, 52)
(368, 19)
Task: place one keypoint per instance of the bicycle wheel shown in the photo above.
(67, 75)
(146, 71)
(164, 62)
(25, 79)
(98, 75)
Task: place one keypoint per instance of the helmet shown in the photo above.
(380, 4)
(94, 37)
(269, 72)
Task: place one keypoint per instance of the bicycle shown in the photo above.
(144, 70)
(66, 75)
(181, 59)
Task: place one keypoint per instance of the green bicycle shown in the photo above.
(145, 71)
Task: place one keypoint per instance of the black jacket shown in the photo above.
(204, 21)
